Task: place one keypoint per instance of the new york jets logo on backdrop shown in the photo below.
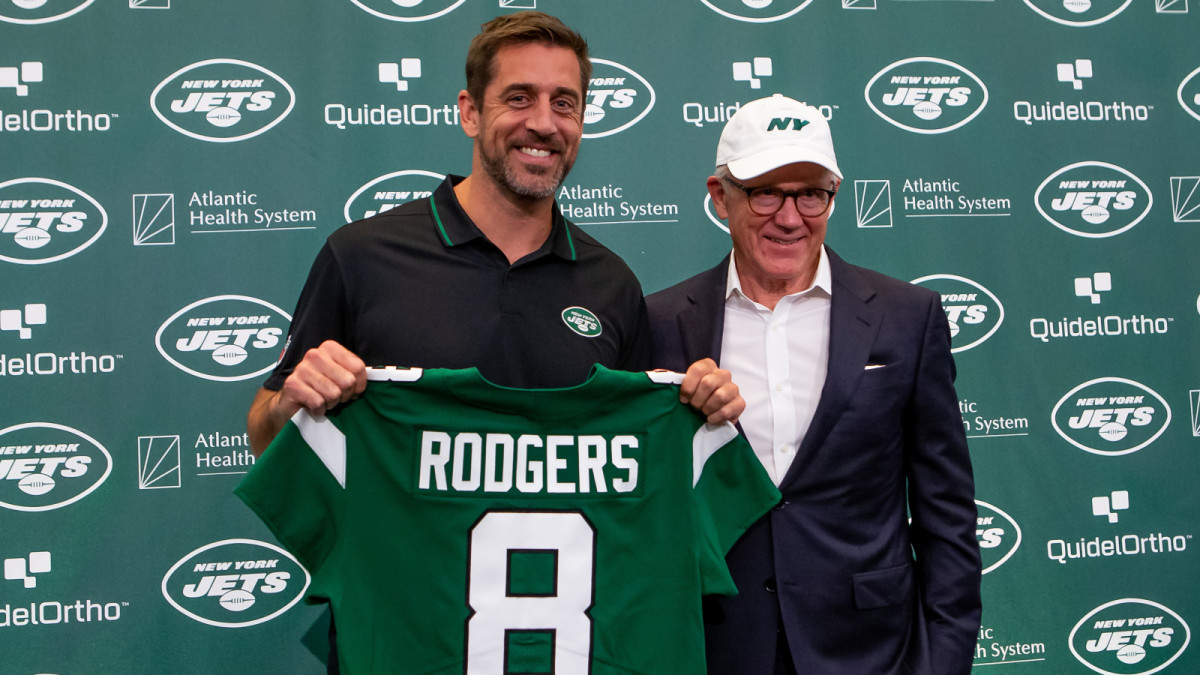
(582, 321)
(617, 99)
(1111, 416)
(235, 583)
(998, 534)
(40, 11)
(1130, 636)
(926, 95)
(1093, 199)
(974, 312)
(222, 100)
(389, 191)
(1078, 12)
(1189, 93)
(756, 11)
(224, 338)
(45, 466)
(44, 220)
(408, 10)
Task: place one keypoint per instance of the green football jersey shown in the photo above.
(460, 527)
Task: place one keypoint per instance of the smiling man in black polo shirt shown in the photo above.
(486, 272)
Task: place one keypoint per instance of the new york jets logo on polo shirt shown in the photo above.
(582, 321)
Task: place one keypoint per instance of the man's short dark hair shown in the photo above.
(520, 28)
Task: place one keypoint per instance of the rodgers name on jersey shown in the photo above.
(500, 463)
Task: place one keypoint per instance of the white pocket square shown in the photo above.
(873, 366)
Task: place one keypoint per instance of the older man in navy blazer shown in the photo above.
(870, 564)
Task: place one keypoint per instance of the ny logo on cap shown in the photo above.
(784, 122)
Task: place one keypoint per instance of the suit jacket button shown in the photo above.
(769, 585)
(783, 504)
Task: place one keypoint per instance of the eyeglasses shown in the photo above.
(766, 201)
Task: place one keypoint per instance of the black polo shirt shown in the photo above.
(421, 286)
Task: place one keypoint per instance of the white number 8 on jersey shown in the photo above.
(569, 538)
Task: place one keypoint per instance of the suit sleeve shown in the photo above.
(942, 504)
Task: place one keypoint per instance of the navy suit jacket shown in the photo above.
(837, 564)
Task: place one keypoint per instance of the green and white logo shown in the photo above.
(1093, 199)
(617, 99)
(1078, 12)
(222, 100)
(582, 321)
(1189, 93)
(224, 338)
(46, 466)
(409, 10)
(30, 12)
(926, 95)
(974, 312)
(44, 220)
(756, 11)
(235, 583)
(1129, 636)
(1111, 416)
(998, 534)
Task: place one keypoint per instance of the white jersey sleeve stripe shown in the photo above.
(707, 440)
(326, 440)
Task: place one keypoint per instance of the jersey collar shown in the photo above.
(455, 228)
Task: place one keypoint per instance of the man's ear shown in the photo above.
(468, 114)
(716, 190)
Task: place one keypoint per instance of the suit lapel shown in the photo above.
(703, 320)
(853, 325)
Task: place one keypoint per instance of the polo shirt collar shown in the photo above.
(456, 228)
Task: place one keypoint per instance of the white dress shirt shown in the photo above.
(778, 359)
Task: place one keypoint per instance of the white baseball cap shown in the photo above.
(768, 133)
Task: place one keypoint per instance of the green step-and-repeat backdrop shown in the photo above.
(168, 170)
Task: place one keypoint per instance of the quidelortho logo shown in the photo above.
(974, 312)
(44, 220)
(1078, 12)
(24, 575)
(1130, 636)
(389, 191)
(222, 100)
(20, 323)
(756, 11)
(1093, 199)
(18, 78)
(17, 117)
(1110, 507)
(408, 10)
(617, 99)
(235, 583)
(1111, 416)
(40, 11)
(45, 466)
(926, 95)
(1096, 288)
(398, 77)
(1106, 109)
(22, 320)
(224, 338)
(998, 534)
(26, 568)
(752, 71)
(1189, 93)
